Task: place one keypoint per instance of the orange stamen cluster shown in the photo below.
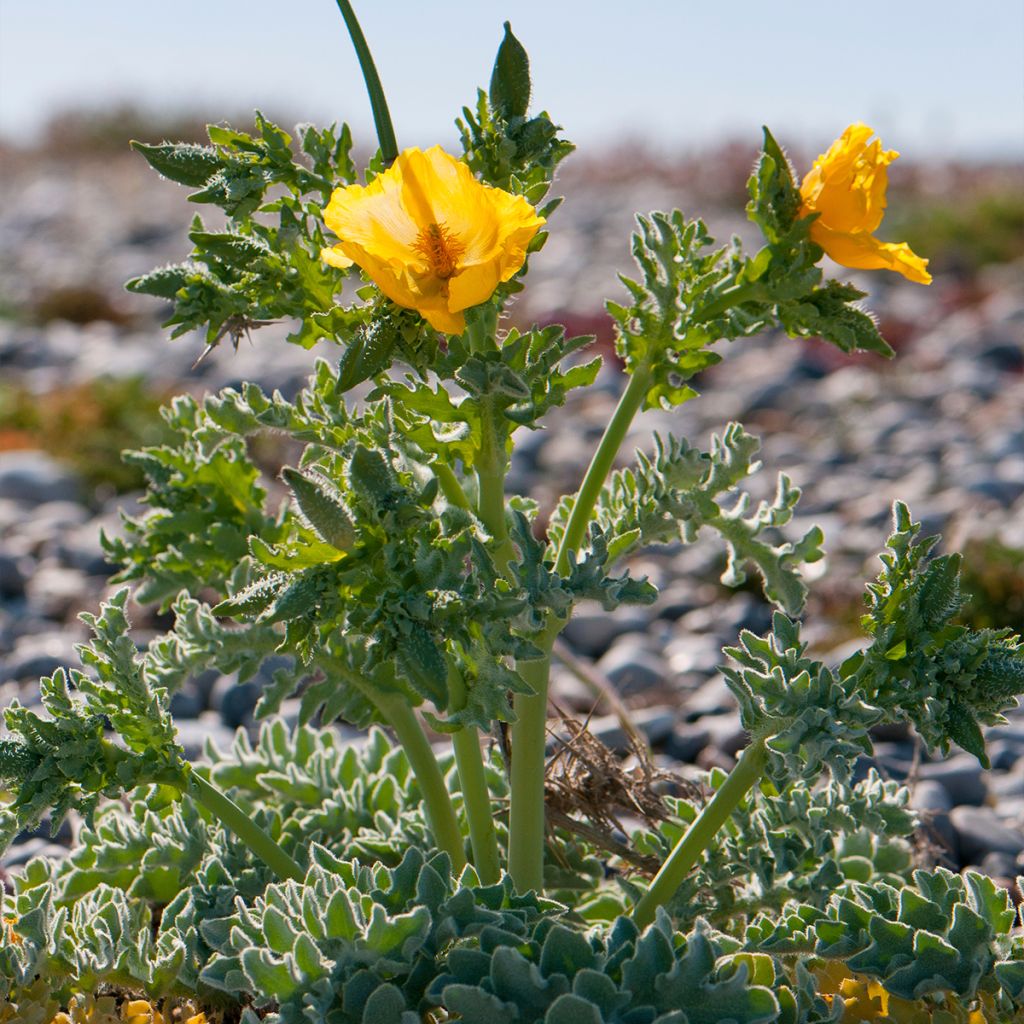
(441, 249)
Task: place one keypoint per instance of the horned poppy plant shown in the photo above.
(846, 188)
(431, 236)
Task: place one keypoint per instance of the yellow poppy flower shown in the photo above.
(431, 236)
(846, 187)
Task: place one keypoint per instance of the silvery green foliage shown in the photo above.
(358, 801)
(324, 951)
(261, 268)
(946, 679)
(671, 495)
(385, 936)
(944, 933)
(61, 760)
(369, 578)
(815, 722)
(799, 844)
(919, 667)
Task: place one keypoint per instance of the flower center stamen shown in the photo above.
(441, 249)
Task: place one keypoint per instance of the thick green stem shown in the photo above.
(734, 296)
(526, 812)
(233, 818)
(450, 486)
(378, 104)
(436, 801)
(600, 465)
(491, 466)
(476, 797)
(529, 731)
(702, 831)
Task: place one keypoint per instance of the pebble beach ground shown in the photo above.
(940, 427)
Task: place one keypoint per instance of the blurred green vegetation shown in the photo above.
(962, 234)
(86, 426)
(993, 585)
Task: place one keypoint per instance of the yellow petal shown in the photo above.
(862, 251)
(336, 258)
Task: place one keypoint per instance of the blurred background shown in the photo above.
(665, 101)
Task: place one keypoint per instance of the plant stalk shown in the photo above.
(733, 296)
(600, 466)
(529, 736)
(450, 486)
(378, 104)
(491, 466)
(702, 831)
(476, 796)
(529, 731)
(436, 800)
(233, 818)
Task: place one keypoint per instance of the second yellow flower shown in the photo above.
(431, 236)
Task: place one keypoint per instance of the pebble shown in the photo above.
(12, 576)
(929, 795)
(57, 592)
(194, 733)
(591, 631)
(962, 778)
(34, 477)
(631, 666)
(981, 831)
(39, 654)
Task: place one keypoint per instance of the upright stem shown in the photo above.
(600, 465)
(233, 818)
(529, 734)
(701, 832)
(450, 486)
(378, 104)
(436, 801)
(491, 466)
(529, 731)
(476, 797)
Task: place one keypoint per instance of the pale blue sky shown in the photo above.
(933, 77)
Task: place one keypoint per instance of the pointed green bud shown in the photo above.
(372, 478)
(963, 729)
(297, 599)
(423, 665)
(510, 79)
(322, 507)
(164, 283)
(183, 162)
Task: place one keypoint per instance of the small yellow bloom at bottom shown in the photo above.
(431, 236)
(846, 189)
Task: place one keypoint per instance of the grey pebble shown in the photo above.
(631, 667)
(56, 592)
(929, 795)
(962, 777)
(981, 831)
(686, 741)
(234, 701)
(39, 654)
(592, 631)
(34, 477)
(713, 698)
(12, 575)
(193, 734)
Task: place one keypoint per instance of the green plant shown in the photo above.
(293, 880)
(88, 426)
